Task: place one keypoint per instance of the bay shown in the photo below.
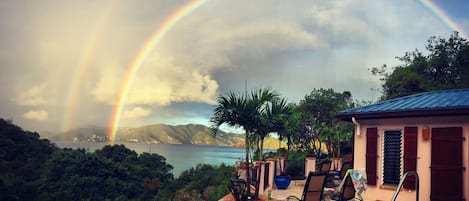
(180, 156)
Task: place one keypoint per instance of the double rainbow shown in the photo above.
(81, 69)
(152, 43)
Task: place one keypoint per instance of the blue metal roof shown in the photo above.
(436, 100)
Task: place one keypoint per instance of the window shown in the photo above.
(392, 157)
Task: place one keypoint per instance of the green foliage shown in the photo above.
(207, 181)
(34, 169)
(110, 173)
(239, 191)
(297, 155)
(323, 104)
(22, 157)
(446, 66)
(321, 107)
(296, 169)
(77, 174)
(242, 111)
(273, 118)
(292, 129)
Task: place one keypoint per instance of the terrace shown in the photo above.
(295, 188)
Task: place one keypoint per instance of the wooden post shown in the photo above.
(310, 165)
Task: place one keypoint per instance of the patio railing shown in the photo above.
(402, 182)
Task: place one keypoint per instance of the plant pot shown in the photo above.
(282, 182)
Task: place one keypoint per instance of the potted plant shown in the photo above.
(283, 180)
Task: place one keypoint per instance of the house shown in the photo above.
(427, 133)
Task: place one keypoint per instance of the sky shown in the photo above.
(68, 64)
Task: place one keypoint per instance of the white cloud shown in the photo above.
(31, 97)
(173, 85)
(180, 70)
(39, 115)
(109, 83)
(137, 112)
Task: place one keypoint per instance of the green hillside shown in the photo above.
(181, 134)
(161, 134)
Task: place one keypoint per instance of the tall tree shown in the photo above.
(446, 66)
(322, 105)
(242, 110)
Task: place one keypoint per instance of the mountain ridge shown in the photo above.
(160, 134)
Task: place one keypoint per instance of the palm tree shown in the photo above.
(241, 111)
(289, 130)
(272, 120)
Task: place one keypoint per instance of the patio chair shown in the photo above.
(347, 192)
(314, 187)
(334, 183)
(343, 170)
(325, 166)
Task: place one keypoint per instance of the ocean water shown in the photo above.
(180, 156)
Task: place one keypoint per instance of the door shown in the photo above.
(446, 164)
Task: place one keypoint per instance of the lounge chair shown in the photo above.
(314, 187)
(347, 192)
(333, 182)
(326, 166)
(343, 170)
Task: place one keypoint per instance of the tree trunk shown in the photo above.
(261, 149)
(248, 177)
(338, 149)
(258, 151)
(330, 148)
(284, 171)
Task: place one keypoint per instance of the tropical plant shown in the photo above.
(238, 190)
(241, 111)
(272, 119)
(333, 136)
(288, 129)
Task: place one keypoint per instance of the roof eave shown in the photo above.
(402, 114)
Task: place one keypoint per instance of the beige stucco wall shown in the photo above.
(423, 153)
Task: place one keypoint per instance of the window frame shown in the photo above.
(383, 158)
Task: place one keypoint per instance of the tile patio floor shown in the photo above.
(295, 188)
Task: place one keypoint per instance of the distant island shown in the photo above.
(161, 134)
